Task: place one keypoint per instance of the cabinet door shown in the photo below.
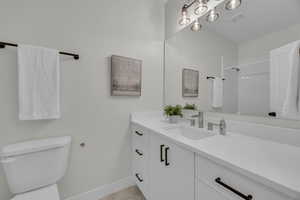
(172, 171)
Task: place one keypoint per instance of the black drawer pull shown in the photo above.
(166, 156)
(139, 178)
(246, 197)
(138, 133)
(272, 114)
(138, 152)
(161, 153)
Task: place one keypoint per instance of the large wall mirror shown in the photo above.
(250, 45)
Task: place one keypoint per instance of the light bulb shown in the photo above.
(196, 26)
(201, 8)
(184, 16)
(233, 4)
(213, 15)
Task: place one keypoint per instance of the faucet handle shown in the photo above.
(222, 122)
(223, 127)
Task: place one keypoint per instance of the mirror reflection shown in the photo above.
(245, 54)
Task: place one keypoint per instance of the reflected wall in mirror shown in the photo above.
(255, 47)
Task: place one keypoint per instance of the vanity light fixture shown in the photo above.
(196, 26)
(201, 7)
(233, 4)
(213, 15)
(184, 16)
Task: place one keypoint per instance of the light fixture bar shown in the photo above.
(187, 6)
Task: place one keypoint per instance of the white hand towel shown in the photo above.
(39, 88)
(217, 93)
(291, 105)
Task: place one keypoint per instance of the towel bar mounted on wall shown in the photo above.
(3, 44)
(212, 77)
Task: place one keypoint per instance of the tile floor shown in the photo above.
(131, 193)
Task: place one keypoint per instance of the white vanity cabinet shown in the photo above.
(216, 182)
(172, 170)
(162, 170)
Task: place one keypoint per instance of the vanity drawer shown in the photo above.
(140, 173)
(232, 185)
(139, 135)
(139, 156)
(142, 183)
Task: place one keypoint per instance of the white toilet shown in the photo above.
(33, 168)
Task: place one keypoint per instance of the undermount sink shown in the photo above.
(190, 132)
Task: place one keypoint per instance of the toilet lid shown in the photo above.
(46, 193)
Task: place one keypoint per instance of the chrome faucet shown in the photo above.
(200, 117)
(222, 126)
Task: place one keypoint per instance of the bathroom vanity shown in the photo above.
(175, 162)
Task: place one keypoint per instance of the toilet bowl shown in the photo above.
(33, 168)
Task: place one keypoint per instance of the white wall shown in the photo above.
(172, 14)
(230, 91)
(96, 30)
(260, 48)
(254, 88)
(197, 50)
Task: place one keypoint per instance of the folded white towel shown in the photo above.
(39, 88)
(291, 105)
(217, 93)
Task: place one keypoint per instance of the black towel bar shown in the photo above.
(3, 44)
(212, 77)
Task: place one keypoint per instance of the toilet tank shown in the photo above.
(35, 164)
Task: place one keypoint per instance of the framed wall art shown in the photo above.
(126, 76)
(190, 83)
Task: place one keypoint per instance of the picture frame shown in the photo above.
(190, 83)
(126, 76)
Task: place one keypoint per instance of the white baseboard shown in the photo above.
(104, 190)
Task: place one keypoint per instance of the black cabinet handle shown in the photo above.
(161, 153)
(272, 114)
(138, 133)
(138, 152)
(139, 178)
(246, 197)
(166, 156)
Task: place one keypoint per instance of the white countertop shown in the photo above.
(273, 164)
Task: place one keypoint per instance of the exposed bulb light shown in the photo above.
(202, 7)
(213, 16)
(196, 26)
(233, 4)
(184, 16)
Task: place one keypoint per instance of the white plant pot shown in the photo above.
(174, 119)
(188, 113)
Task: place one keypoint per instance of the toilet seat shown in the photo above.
(45, 193)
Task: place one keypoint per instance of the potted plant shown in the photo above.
(174, 113)
(189, 110)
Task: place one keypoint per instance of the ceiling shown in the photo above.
(255, 18)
